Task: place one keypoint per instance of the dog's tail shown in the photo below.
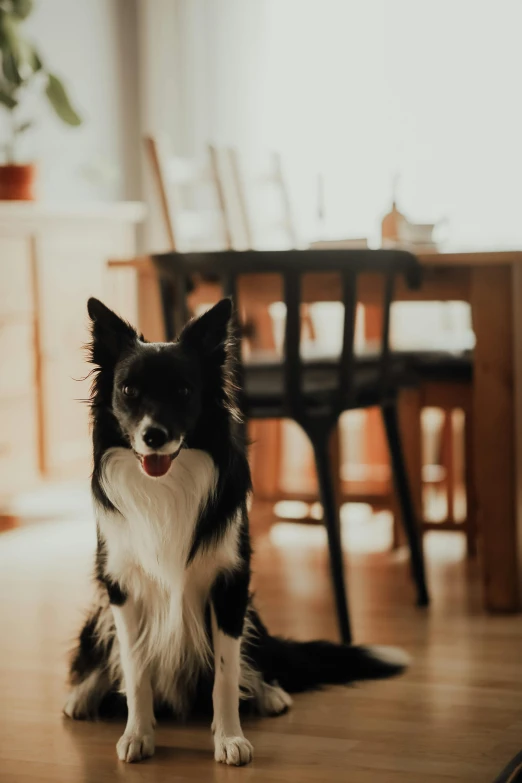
(304, 666)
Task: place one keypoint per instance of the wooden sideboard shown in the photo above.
(51, 260)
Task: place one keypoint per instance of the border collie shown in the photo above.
(173, 622)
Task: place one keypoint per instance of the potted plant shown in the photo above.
(22, 70)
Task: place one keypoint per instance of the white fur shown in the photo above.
(148, 543)
(391, 655)
(230, 745)
(273, 700)
(138, 740)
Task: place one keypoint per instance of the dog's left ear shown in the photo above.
(210, 331)
(111, 335)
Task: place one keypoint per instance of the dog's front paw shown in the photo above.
(135, 747)
(235, 751)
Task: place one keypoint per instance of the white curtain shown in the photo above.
(202, 61)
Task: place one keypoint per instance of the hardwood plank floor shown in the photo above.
(455, 716)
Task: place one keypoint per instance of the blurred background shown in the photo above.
(355, 92)
(360, 106)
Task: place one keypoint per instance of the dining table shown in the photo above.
(490, 280)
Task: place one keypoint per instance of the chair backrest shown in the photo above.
(292, 266)
(257, 191)
(191, 198)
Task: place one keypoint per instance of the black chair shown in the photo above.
(316, 393)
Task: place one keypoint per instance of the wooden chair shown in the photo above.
(446, 383)
(191, 198)
(258, 205)
(192, 204)
(315, 393)
(260, 191)
(258, 200)
(445, 370)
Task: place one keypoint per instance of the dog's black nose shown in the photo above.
(154, 437)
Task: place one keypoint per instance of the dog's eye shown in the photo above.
(130, 391)
(184, 391)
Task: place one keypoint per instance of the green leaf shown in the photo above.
(24, 126)
(10, 69)
(34, 59)
(60, 101)
(7, 100)
(12, 50)
(22, 8)
(10, 33)
(3, 16)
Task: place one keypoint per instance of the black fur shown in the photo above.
(230, 595)
(116, 595)
(305, 666)
(88, 655)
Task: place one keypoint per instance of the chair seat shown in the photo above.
(440, 365)
(264, 384)
(264, 378)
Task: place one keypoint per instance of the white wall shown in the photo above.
(80, 41)
(200, 69)
(429, 90)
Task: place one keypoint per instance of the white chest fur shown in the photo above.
(158, 516)
(147, 546)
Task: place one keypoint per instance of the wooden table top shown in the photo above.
(443, 257)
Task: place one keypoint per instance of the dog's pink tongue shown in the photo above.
(156, 464)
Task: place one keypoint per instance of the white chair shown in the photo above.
(258, 191)
(191, 198)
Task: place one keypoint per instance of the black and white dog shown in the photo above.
(173, 622)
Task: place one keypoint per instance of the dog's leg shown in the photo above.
(229, 599)
(138, 740)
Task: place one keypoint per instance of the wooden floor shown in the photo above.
(455, 716)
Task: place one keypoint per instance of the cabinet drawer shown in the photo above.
(18, 445)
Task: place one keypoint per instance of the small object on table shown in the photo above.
(392, 223)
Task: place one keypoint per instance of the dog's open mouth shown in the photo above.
(156, 465)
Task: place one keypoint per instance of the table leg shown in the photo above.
(266, 435)
(494, 434)
(150, 316)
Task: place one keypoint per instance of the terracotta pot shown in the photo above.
(17, 182)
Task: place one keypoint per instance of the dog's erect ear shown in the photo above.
(111, 335)
(210, 331)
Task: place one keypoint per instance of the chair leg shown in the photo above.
(448, 460)
(409, 412)
(471, 508)
(410, 523)
(327, 489)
